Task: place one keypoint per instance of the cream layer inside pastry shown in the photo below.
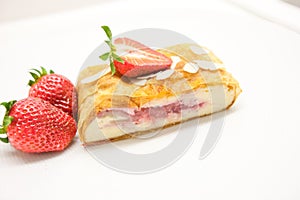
(116, 122)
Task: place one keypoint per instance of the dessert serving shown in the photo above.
(143, 89)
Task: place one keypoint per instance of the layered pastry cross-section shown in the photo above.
(112, 107)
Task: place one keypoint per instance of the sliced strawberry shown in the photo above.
(139, 59)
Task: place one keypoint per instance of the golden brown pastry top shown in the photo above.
(115, 91)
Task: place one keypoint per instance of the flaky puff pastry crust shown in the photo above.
(113, 91)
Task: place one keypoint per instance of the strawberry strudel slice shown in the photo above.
(114, 107)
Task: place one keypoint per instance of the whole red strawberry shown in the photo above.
(34, 125)
(54, 88)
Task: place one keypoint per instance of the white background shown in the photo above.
(257, 156)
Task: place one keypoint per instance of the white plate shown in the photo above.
(257, 156)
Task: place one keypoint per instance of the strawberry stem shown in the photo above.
(37, 74)
(5, 140)
(111, 55)
(6, 120)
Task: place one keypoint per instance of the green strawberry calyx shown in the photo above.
(111, 55)
(6, 120)
(37, 74)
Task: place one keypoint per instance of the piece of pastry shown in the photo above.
(114, 107)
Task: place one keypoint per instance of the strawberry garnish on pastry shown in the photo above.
(139, 59)
(136, 60)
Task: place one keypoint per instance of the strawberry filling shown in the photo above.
(148, 114)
